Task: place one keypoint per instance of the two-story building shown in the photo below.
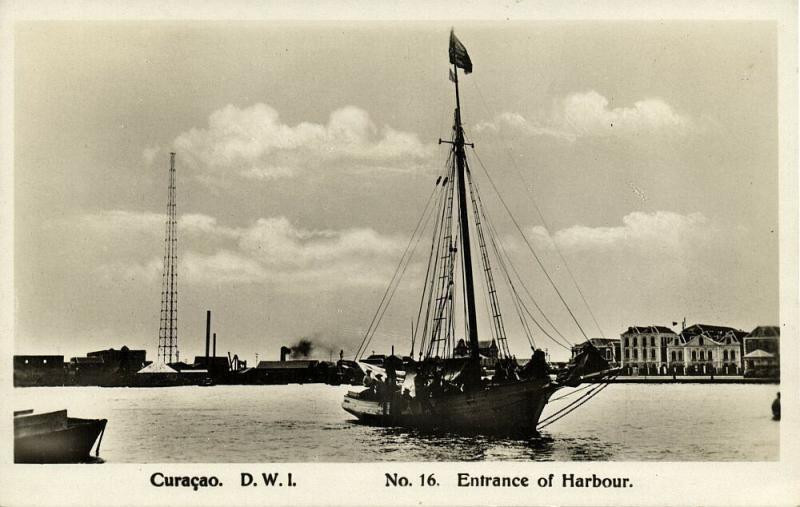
(644, 350)
(704, 349)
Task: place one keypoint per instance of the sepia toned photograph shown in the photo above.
(411, 241)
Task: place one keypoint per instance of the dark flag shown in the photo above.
(458, 54)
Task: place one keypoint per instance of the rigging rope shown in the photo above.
(530, 247)
(541, 216)
(430, 270)
(390, 289)
(493, 235)
(572, 406)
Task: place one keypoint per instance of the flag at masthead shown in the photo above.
(458, 54)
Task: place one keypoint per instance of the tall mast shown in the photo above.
(463, 213)
(168, 328)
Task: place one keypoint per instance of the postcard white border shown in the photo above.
(763, 483)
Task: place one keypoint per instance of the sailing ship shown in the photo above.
(447, 387)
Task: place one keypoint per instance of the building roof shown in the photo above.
(603, 341)
(157, 367)
(765, 332)
(708, 329)
(649, 330)
(285, 365)
(758, 354)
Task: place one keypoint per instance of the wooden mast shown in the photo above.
(463, 213)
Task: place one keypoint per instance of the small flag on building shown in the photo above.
(458, 54)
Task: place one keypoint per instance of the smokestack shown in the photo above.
(208, 333)
(284, 351)
(214, 353)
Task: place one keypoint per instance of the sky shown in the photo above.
(306, 152)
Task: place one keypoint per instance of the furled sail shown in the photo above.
(588, 362)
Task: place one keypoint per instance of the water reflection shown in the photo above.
(257, 424)
(437, 445)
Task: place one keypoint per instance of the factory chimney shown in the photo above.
(214, 349)
(284, 351)
(208, 334)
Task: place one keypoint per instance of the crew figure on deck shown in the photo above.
(537, 367)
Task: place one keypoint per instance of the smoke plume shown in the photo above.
(302, 348)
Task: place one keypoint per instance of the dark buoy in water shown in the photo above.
(776, 408)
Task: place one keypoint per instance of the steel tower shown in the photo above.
(168, 328)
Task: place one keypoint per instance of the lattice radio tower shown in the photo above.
(168, 329)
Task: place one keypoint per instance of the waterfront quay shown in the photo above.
(700, 353)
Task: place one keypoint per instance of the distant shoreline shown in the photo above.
(692, 379)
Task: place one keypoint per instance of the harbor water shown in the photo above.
(305, 423)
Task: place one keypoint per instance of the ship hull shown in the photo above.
(512, 408)
(55, 438)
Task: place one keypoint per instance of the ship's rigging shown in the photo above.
(447, 386)
(457, 212)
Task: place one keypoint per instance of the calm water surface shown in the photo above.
(299, 423)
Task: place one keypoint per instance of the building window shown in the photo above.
(627, 353)
(694, 355)
(733, 355)
(725, 355)
(702, 355)
(634, 342)
(652, 354)
(626, 341)
(44, 361)
(680, 355)
(673, 356)
(635, 353)
(652, 341)
(709, 356)
(701, 341)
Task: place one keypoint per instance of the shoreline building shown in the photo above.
(39, 370)
(644, 350)
(762, 352)
(704, 349)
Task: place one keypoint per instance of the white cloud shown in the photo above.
(254, 143)
(588, 115)
(269, 250)
(657, 231)
(276, 242)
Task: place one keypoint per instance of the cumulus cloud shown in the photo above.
(276, 242)
(657, 231)
(268, 250)
(254, 143)
(589, 115)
